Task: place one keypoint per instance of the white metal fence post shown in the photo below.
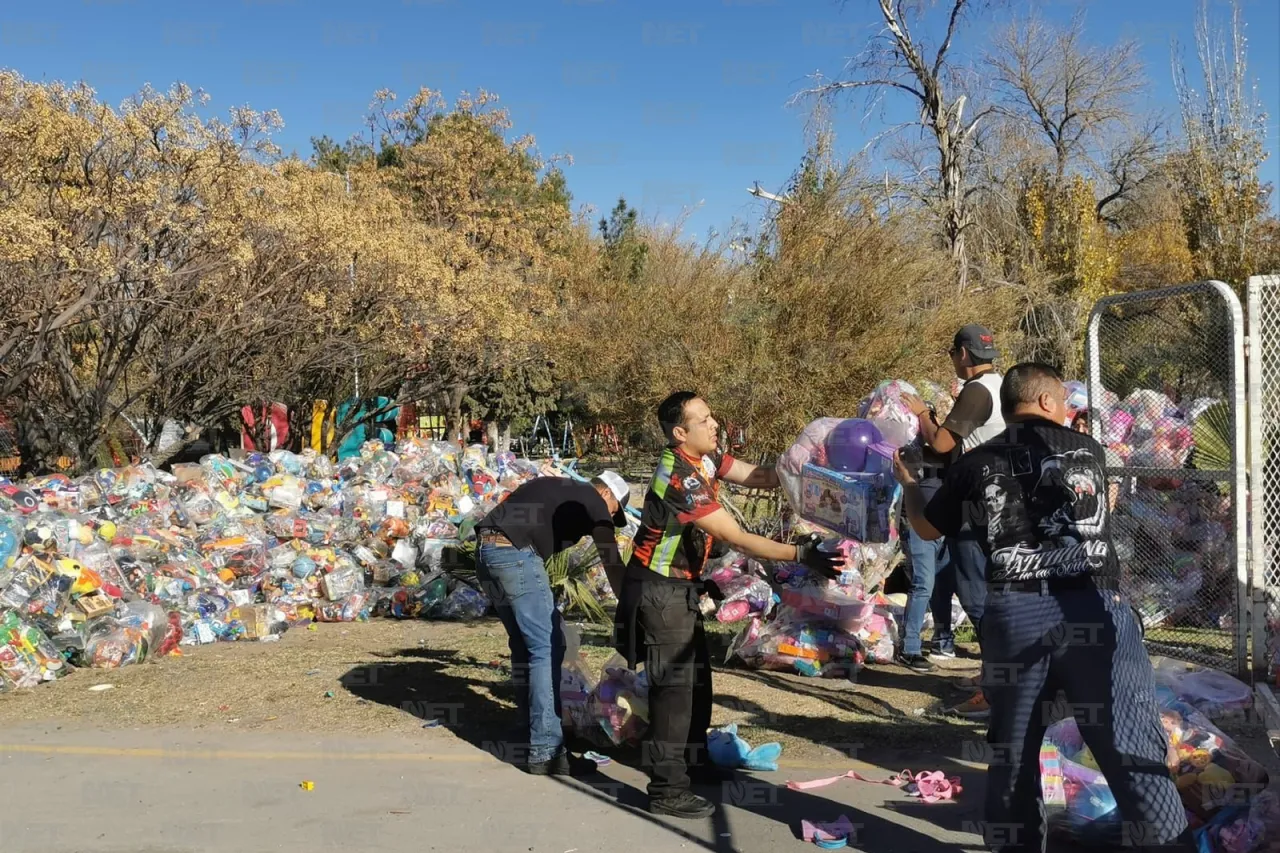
(1177, 357)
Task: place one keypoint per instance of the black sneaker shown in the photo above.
(563, 764)
(685, 804)
(916, 663)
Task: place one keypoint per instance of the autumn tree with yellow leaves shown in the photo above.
(158, 265)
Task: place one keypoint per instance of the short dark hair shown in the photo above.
(1025, 382)
(979, 362)
(671, 412)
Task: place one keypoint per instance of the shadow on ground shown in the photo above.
(888, 733)
(431, 685)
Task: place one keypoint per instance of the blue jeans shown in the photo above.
(969, 579)
(515, 580)
(928, 561)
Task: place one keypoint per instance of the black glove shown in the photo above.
(808, 555)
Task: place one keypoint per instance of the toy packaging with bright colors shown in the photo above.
(860, 505)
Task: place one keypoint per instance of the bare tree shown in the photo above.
(1071, 93)
(1225, 129)
(898, 59)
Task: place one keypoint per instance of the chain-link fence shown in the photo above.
(1264, 470)
(1166, 391)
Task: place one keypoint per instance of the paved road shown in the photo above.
(171, 791)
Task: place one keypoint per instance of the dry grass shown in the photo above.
(386, 677)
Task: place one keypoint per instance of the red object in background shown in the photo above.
(407, 421)
(735, 437)
(605, 437)
(279, 422)
(172, 635)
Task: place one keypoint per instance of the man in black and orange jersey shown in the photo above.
(658, 608)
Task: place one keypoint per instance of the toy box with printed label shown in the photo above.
(858, 505)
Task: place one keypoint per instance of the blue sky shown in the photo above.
(672, 104)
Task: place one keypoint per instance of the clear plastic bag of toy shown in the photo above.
(11, 532)
(27, 657)
(1213, 693)
(619, 704)
(744, 596)
(886, 408)
(464, 602)
(799, 643)
(576, 684)
(353, 608)
(111, 643)
(1078, 802)
(28, 576)
(810, 447)
(1210, 768)
(937, 396)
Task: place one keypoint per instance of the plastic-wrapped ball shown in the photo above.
(303, 567)
(848, 442)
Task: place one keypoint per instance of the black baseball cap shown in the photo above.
(978, 340)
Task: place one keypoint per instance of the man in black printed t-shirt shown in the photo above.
(1036, 495)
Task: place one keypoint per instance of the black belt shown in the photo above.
(1046, 586)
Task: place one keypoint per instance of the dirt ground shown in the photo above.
(385, 677)
(441, 679)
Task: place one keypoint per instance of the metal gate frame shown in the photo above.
(1259, 341)
(1236, 475)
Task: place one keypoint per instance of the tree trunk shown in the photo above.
(260, 431)
(299, 426)
(491, 436)
(38, 448)
(457, 426)
(954, 213)
(505, 440)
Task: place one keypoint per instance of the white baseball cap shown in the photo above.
(620, 490)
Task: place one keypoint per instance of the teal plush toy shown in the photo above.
(728, 750)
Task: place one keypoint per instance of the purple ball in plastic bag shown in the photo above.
(848, 442)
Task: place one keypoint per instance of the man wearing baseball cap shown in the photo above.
(974, 419)
(541, 518)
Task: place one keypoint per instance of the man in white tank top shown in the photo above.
(975, 418)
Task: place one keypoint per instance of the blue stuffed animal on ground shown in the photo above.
(728, 750)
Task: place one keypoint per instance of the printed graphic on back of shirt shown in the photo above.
(1056, 531)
